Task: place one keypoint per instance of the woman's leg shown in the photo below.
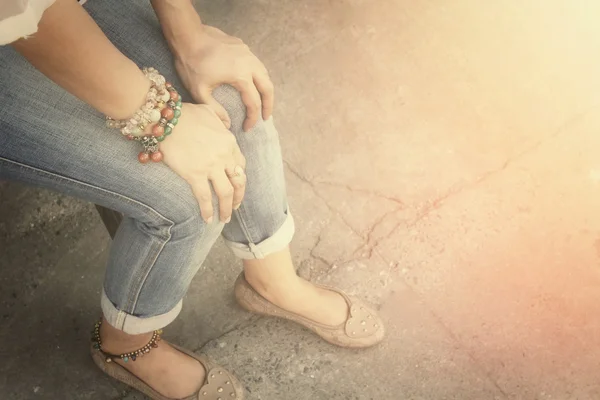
(260, 232)
(262, 228)
(50, 139)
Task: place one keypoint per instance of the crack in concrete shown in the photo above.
(437, 203)
(366, 237)
(361, 190)
(314, 247)
(319, 195)
(250, 321)
(369, 235)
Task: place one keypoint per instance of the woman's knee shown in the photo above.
(231, 99)
(169, 207)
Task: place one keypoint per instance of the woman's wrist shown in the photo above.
(154, 120)
(121, 103)
(181, 25)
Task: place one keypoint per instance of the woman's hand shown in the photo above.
(201, 150)
(218, 58)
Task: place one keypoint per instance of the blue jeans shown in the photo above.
(50, 139)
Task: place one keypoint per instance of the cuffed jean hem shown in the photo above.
(278, 241)
(133, 325)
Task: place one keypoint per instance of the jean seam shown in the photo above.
(147, 267)
(244, 227)
(132, 302)
(84, 184)
(143, 282)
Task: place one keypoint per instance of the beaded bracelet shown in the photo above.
(162, 108)
(169, 117)
(156, 97)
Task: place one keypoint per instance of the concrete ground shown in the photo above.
(443, 161)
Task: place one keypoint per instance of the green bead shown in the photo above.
(179, 98)
(97, 346)
(168, 130)
(177, 113)
(161, 138)
(174, 121)
(125, 359)
(178, 103)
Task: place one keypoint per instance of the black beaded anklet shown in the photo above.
(152, 344)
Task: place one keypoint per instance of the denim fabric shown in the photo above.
(51, 139)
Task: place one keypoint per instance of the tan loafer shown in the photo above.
(363, 327)
(219, 384)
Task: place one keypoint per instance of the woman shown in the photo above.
(208, 163)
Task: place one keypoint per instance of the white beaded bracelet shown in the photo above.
(162, 109)
(149, 113)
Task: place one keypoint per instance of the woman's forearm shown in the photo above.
(70, 49)
(180, 23)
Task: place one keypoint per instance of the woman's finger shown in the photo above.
(239, 157)
(265, 87)
(237, 177)
(207, 98)
(224, 191)
(201, 190)
(251, 99)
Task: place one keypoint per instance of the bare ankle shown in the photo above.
(272, 274)
(264, 284)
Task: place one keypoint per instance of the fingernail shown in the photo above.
(209, 220)
(238, 169)
(237, 206)
(228, 220)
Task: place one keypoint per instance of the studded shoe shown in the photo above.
(218, 385)
(362, 328)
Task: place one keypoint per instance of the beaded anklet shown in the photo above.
(162, 108)
(152, 344)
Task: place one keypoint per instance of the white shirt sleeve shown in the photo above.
(20, 18)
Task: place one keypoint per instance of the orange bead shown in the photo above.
(157, 156)
(158, 130)
(174, 96)
(143, 157)
(167, 113)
